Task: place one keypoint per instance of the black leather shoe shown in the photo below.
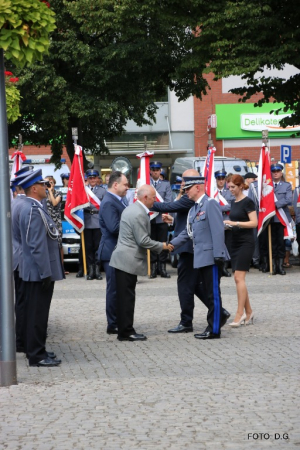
(98, 275)
(91, 274)
(181, 329)
(225, 273)
(48, 362)
(153, 270)
(133, 337)
(112, 330)
(163, 271)
(207, 335)
(79, 274)
(224, 317)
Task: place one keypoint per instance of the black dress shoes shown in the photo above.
(48, 362)
(224, 317)
(181, 329)
(112, 330)
(133, 338)
(207, 335)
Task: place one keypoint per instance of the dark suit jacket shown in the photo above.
(109, 220)
(181, 207)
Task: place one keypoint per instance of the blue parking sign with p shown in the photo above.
(286, 154)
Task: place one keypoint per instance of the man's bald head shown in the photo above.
(146, 194)
(191, 173)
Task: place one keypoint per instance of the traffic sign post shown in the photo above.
(286, 154)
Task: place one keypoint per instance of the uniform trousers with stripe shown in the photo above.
(210, 277)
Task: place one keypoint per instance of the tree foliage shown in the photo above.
(24, 30)
(244, 38)
(106, 65)
(13, 97)
(110, 60)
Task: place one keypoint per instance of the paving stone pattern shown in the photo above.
(170, 392)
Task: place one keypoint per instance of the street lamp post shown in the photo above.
(8, 372)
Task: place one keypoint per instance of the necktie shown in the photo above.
(220, 192)
(155, 184)
(275, 185)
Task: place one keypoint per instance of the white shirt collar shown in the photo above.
(144, 206)
(200, 198)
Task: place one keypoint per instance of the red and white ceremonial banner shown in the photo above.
(209, 170)
(265, 190)
(288, 230)
(144, 177)
(94, 200)
(77, 197)
(18, 157)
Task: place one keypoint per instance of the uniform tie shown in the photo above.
(275, 185)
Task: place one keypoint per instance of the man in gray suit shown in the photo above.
(41, 267)
(130, 259)
(205, 227)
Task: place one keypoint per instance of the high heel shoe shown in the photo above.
(239, 323)
(251, 319)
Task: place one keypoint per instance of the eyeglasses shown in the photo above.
(220, 178)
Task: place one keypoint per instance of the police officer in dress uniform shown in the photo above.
(159, 229)
(220, 176)
(16, 207)
(188, 283)
(111, 209)
(205, 227)
(284, 197)
(41, 267)
(92, 232)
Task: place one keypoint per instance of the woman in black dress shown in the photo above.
(243, 219)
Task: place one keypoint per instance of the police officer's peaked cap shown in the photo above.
(92, 173)
(155, 165)
(65, 175)
(191, 181)
(178, 179)
(23, 170)
(17, 181)
(220, 173)
(163, 173)
(276, 166)
(34, 177)
(250, 175)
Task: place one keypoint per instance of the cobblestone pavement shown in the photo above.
(170, 392)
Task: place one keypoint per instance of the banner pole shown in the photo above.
(148, 262)
(270, 249)
(83, 254)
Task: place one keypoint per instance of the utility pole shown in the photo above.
(8, 371)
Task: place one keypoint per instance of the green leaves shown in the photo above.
(24, 30)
